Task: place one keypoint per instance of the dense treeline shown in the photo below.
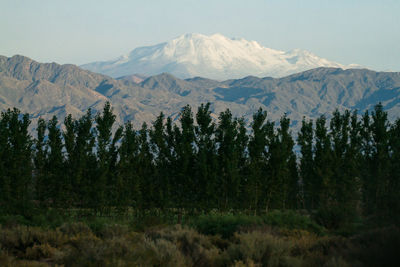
(348, 167)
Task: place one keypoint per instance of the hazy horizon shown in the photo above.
(359, 32)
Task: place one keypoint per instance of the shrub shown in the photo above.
(197, 248)
(334, 217)
(82, 249)
(17, 239)
(223, 224)
(159, 252)
(261, 248)
(42, 251)
(76, 228)
(292, 220)
(13, 220)
(147, 221)
(113, 231)
(5, 259)
(51, 218)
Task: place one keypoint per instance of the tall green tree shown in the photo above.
(105, 184)
(206, 159)
(305, 141)
(162, 155)
(258, 153)
(282, 167)
(185, 150)
(393, 196)
(380, 158)
(59, 185)
(146, 169)
(16, 146)
(366, 164)
(40, 159)
(241, 148)
(5, 149)
(322, 183)
(130, 193)
(353, 162)
(229, 179)
(83, 158)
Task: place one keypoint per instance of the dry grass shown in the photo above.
(76, 244)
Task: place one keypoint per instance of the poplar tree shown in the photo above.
(159, 148)
(85, 171)
(105, 184)
(380, 158)
(307, 175)
(229, 180)
(353, 163)
(128, 176)
(145, 169)
(5, 149)
(58, 183)
(185, 150)
(322, 183)
(368, 186)
(241, 148)
(282, 168)
(393, 201)
(40, 158)
(206, 160)
(16, 146)
(258, 145)
(71, 159)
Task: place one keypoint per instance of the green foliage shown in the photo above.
(334, 217)
(292, 220)
(346, 168)
(307, 172)
(223, 224)
(15, 162)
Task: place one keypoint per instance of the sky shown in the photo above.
(364, 32)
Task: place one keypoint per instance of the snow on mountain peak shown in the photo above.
(215, 56)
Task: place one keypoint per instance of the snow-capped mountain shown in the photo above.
(215, 57)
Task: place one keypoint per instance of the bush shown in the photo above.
(76, 228)
(159, 252)
(292, 220)
(112, 231)
(223, 224)
(5, 259)
(147, 221)
(334, 217)
(82, 249)
(42, 251)
(13, 220)
(51, 218)
(18, 239)
(197, 249)
(261, 248)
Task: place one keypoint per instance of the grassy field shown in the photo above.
(214, 239)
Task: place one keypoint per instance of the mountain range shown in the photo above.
(47, 89)
(215, 57)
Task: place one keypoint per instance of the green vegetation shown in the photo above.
(106, 243)
(199, 193)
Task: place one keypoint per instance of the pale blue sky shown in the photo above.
(365, 32)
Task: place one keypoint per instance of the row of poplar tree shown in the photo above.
(350, 163)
